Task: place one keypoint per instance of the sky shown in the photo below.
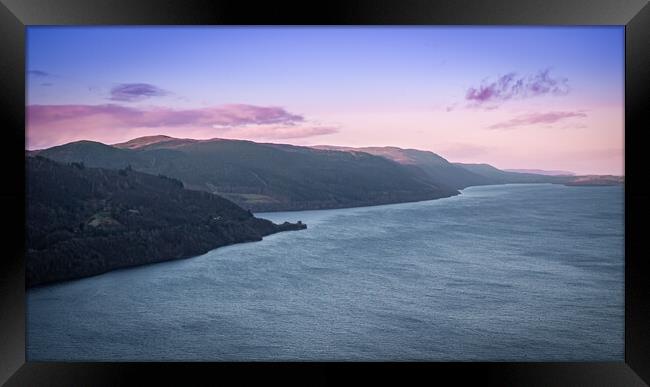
(514, 97)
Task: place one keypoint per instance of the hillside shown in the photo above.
(498, 176)
(459, 175)
(433, 166)
(84, 221)
(280, 177)
(264, 177)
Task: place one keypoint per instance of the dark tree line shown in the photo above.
(83, 221)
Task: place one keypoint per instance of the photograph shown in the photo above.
(325, 193)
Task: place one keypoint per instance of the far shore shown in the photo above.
(460, 192)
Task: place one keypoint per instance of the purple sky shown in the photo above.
(514, 97)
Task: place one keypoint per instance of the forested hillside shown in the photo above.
(83, 221)
(264, 177)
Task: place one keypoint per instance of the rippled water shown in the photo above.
(510, 272)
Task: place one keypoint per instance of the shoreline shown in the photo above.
(281, 229)
(460, 192)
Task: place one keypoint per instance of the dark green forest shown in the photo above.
(83, 221)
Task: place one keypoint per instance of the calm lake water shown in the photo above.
(509, 272)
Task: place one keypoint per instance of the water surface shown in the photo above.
(499, 273)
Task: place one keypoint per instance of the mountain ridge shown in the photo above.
(431, 164)
(263, 176)
(283, 177)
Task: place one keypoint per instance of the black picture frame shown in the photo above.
(15, 15)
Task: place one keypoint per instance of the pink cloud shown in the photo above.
(536, 118)
(122, 116)
(49, 125)
(511, 86)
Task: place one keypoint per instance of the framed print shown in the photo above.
(351, 192)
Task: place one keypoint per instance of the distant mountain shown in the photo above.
(596, 180)
(541, 172)
(84, 221)
(281, 177)
(498, 176)
(433, 166)
(505, 177)
(459, 175)
(142, 142)
(92, 154)
(265, 177)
